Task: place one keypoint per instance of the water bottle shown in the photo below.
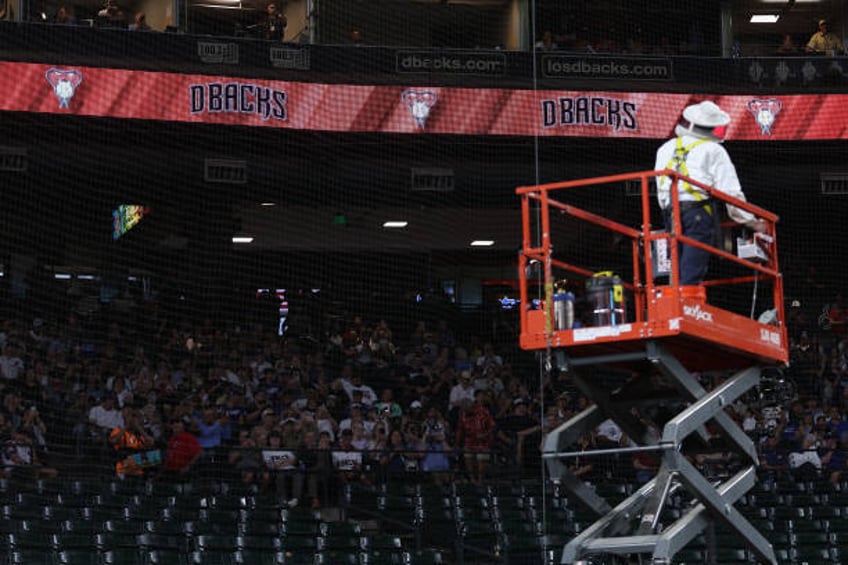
(563, 310)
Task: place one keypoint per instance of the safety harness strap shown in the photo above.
(678, 163)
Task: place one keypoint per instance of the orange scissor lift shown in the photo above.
(673, 335)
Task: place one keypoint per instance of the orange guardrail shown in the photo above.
(660, 309)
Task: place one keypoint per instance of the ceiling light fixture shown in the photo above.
(395, 224)
(482, 243)
(242, 239)
(764, 18)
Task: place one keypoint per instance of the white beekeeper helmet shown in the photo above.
(705, 120)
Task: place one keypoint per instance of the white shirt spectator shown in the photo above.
(347, 460)
(369, 397)
(460, 392)
(10, 364)
(106, 418)
(609, 429)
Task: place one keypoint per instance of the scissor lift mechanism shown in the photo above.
(674, 333)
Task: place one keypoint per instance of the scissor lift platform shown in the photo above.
(674, 335)
(701, 336)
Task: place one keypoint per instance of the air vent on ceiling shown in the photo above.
(13, 159)
(634, 187)
(225, 171)
(834, 183)
(432, 179)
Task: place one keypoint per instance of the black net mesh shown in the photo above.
(200, 293)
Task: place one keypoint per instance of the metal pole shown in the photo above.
(612, 450)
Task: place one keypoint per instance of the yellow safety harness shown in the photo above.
(678, 163)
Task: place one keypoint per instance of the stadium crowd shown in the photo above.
(299, 416)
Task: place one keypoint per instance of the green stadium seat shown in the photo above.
(381, 542)
(73, 540)
(340, 544)
(340, 529)
(164, 556)
(32, 557)
(204, 543)
(77, 557)
(830, 513)
(210, 558)
(341, 557)
(31, 539)
(689, 557)
(809, 554)
(258, 557)
(425, 557)
(295, 527)
(165, 528)
(811, 539)
(729, 555)
(123, 556)
(382, 558)
(257, 528)
(293, 544)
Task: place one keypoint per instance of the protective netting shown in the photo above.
(215, 350)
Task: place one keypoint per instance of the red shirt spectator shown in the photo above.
(183, 450)
(477, 426)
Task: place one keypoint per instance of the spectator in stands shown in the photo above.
(546, 43)
(787, 45)
(824, 41)
(284, 469)
(347, 461)
(326, 423)
(11, 364)
(351, 380)
(392, 462)
(64, 15)
(512, 430)
(272, 26)
(773, 464)
(388, 406)
(112, 15)
(804, 460)
(21, 460)
(635, 43)
(475, 433)
(834, 457)
(796, 319)
(608, 435)
(182, 453)
(104, 417)
(462, 392)
(356, 417)
(696, 152)
(413, 438)
(247, 461)
(645, 463)
(437, 455)
(489, 359)
(381, 341)
(489, 380)
(209, 430)
(837, 315)
(129, 441)
(140, 23)
(315, 465)
(582, 467)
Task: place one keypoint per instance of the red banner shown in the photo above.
(116, 93)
